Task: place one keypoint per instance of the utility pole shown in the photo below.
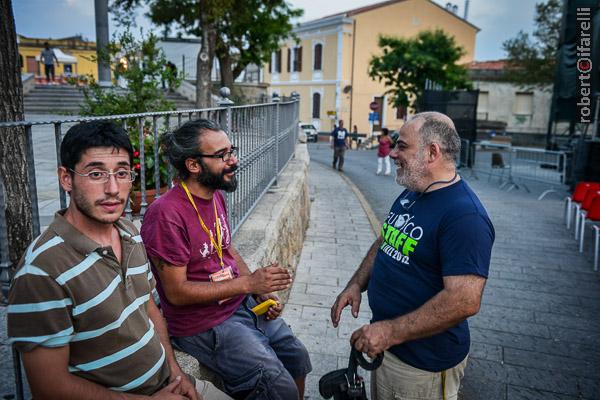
(101, 11)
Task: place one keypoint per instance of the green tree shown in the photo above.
(249, 33)
(13, 146)
(142, 67)
(236, 32)
(406, 64)
(532, 61)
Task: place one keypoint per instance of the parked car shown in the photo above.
(310, 131)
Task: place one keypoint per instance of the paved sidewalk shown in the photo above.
(338, 237)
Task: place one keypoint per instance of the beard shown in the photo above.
(86, 207)
(413, 172)
(217, 181)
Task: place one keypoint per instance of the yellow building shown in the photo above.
(74, 54)
(329, 65)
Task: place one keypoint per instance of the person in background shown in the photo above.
(48, 57)
(383, 152)
(339, 142)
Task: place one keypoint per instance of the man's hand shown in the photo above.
(274, 311)
(373, 339)
(269, 279)
(350, 296)
(171, 391)
(186, 386)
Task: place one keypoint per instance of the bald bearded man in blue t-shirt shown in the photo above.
(426, 272)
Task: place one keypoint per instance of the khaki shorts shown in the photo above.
(208, 391)
(396, 380)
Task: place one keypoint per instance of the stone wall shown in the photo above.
(274, 231)
(252, 92)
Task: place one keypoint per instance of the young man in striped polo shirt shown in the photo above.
(81, 309)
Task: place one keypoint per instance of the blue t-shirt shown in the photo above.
(339, 137)
(425, 238)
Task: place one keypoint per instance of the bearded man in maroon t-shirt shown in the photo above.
(206, 289)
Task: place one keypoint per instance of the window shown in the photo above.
(523, 103)
(275, 62)
(401, 112)
(289, 59)
(316, 109)
(278, 61)
(297, 59)
(482, 105)
(318, 57)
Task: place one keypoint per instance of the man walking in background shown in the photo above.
(48, 57)
(339, 142)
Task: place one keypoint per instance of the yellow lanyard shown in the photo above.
(218, 246)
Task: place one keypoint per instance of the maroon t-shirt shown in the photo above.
(171, 231)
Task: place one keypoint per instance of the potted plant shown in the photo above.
(149, 170)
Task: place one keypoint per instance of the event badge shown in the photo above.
(224, 274)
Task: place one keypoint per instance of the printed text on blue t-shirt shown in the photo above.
(400, 236)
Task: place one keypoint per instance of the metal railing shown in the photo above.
(514, 166)
(266, 135)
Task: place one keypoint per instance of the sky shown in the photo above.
(498, 20)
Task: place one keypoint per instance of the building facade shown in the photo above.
(328, 66)
(75, 56)
(523, 109)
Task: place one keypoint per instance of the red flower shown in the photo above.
(136, 153)
(138, 166)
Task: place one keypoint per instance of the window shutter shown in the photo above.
(289, 59)
(299, 59)
(278, 61)
(316, 111)
(523, 104)
(318, 57)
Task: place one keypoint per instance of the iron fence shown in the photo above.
(514, 166)
(266, 135)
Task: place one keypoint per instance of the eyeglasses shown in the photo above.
(225, 156)
(101, 176)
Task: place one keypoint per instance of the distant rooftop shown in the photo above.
(69, 42)
(491, 65)
(360, 10)
(492, 70)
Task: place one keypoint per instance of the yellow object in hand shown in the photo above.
(263, 307)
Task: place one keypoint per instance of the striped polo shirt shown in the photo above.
(69, 290)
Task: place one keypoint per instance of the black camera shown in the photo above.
(345, 383)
